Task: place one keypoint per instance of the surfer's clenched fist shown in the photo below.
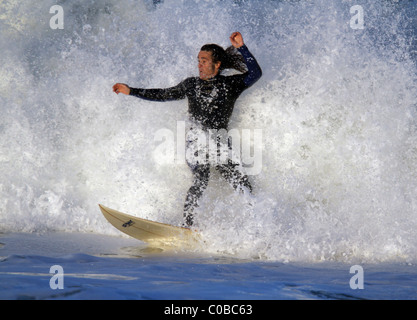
(236, 39)
(121, 88)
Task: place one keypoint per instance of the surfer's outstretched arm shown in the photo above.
(168, 94)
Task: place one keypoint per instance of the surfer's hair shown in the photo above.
(229, 58)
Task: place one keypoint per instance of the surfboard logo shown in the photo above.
(127, 224)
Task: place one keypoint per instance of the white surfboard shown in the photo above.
(154, 233)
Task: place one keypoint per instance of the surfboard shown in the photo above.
(151, 232)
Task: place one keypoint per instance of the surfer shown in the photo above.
(211, 99)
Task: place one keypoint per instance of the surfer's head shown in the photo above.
(218, 54)
(208, 64)
(221, 59)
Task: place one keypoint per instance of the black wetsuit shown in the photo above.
(210, 104)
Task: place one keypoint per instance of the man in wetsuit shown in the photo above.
(211, 99)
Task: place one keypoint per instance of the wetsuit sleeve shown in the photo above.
(254, 70)
(168, 94)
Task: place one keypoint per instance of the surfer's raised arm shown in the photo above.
(254, 70)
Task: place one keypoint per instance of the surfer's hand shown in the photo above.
(121, 88)
(236, 39)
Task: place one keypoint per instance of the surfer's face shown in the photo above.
(206, 67)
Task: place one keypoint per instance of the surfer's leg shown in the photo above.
(237, 179)
(201, 178)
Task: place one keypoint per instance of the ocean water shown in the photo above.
(336, 107)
